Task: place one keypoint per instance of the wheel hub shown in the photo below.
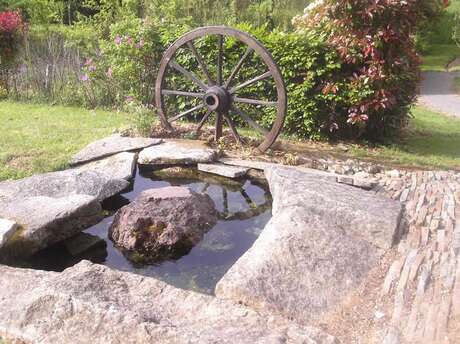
(217, 99)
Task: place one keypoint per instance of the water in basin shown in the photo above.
(244, 208)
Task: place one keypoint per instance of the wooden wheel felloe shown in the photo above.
(217, 95)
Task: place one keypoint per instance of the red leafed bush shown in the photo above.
(11, 31)
(380, 66)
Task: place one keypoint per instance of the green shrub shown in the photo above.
(380, 68)
(80, 37)
(317, 91)
(141, 117)
(125, 66)
(307, 64)
(328, 95)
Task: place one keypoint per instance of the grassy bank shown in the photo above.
(441, 48)
(432, 141)
(39, 138)
(438, 56)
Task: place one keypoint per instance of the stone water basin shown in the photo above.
(317, 244)
(244, 208)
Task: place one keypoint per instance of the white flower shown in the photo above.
(313, 6)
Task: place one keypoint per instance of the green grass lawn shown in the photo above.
(457, 84)
(433, 140)
(438, 56)
(40, 138)
(441, 47)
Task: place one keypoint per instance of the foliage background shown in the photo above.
(105, 53)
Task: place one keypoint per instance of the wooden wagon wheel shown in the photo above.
(217, 95)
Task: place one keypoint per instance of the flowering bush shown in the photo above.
(380, 66)
(11, 31)
(125, 66)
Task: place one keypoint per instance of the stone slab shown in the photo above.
(82, 242)
(224, 170)
(301, 266)
(319, 246)
(254, 164)
(53, 206)
(118, 166)
(265, 166)
(357, 180)
(365, 183)
(61, 184)
(364, 214)
(110, 146)
(178, 152)
(44, 221)
(91, 303)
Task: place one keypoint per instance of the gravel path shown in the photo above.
(437, 92)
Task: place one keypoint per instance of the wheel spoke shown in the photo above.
(201, 62)
(182, 93)
(203, 120)
(250, 82)
(233, 130)
(238, 67)
(185, 113)
(254, 101)
(250, 121)
(219, 59)
(192, 76)
(218, 133)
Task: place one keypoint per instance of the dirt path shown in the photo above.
(437, 92)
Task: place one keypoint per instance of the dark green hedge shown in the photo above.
(123, 67)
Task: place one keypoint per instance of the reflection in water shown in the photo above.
(244, 208)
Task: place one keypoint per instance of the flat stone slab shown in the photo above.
(178, 152)
(118, 166)
(254, 164)
(44, 221)
(82, 242)
(358, 181)
(224, 170)
(319, 246)
(53, 206)
(264, 166)
(7, 230)
(362, 213)
(112, 145)
(61, 184)
(95, 304)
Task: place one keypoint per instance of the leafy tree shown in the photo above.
(375, 41)
(36, 11)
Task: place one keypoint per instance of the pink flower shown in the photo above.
(92, 68)
(10, 21)
(118, 40)
(88, 62)
(130, 40)
(109, 72)
(140, 44)
(84, 77)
